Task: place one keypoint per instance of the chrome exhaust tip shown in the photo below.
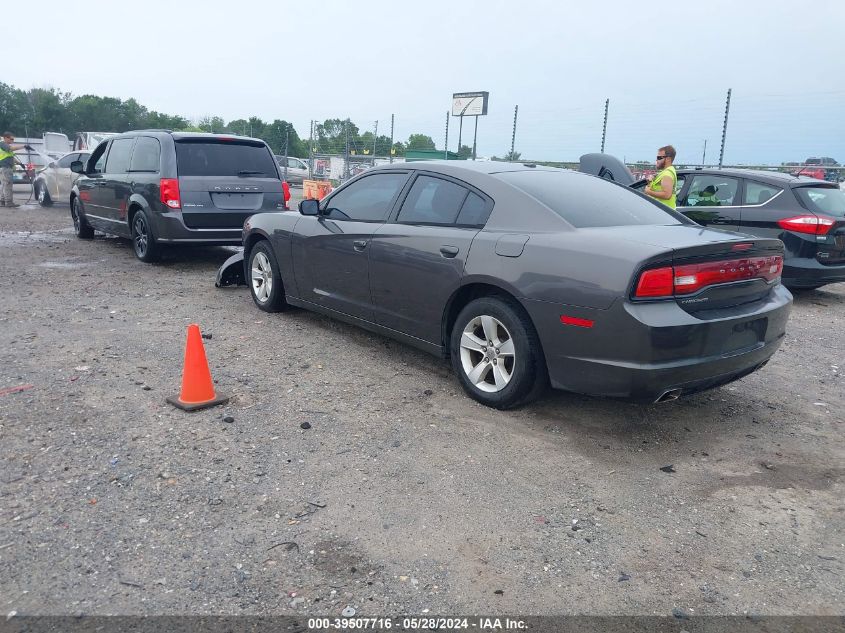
(667, 396)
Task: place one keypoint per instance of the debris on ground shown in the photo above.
(228, 419)
(305, 426)
(670, 468)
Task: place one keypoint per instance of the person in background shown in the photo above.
(7, 167)
(662, 186)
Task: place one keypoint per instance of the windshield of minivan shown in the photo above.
(224, 158)
(826, 200)
(587, 201)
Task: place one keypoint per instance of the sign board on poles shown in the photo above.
(469, 103)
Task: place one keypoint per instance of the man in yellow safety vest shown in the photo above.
(662, 186)
(7, 166)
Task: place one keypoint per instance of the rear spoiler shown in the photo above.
(607, 167)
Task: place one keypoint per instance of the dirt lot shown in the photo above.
(403, 495)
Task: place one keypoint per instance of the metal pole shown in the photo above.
(704, 154)
(375, 136)
(604, 127)
(311, 151)
(513, 136)
(474, 137)
(725, 128)
(391, 139)
(287, 137)
(460, 132)
(446, 150)
(346, 157)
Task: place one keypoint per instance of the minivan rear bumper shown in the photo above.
(170, 229)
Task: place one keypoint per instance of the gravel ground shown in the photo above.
(403, 495)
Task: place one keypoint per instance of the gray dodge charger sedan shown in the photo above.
(525, 275)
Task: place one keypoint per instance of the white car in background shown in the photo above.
(53, 182)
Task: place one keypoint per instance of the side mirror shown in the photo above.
(309, 207)
(51, 165)
(77, 167)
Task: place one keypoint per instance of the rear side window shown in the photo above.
(65, 161)
(147, 155)
(474, 212)
(119, 154)
(224, 158)
(586, 201)
(758, 192)
(825, 200)
(432, 201)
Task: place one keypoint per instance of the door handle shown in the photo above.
(359, 245)
(449, 251)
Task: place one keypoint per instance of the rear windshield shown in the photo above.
(826, 200)
(224, 158)
(585, 201)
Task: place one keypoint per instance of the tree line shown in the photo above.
(38, 110)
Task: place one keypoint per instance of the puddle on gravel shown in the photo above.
(19, 238)
(64, 264)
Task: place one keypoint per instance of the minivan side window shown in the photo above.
(98, 158)
(758, 192)
(118, 160)
(147, 155)
(366, 200)
(711, 191)
(432, 201)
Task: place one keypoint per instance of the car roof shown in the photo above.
(457, 167)
(773, 177)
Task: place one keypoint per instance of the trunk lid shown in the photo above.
(826, 201)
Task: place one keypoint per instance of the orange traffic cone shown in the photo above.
(197, 388)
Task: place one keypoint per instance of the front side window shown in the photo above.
(366, 200)
(758, 192)
(65, 161)
(99, 158)
(119, 154)
(432, 201)
(711, 191)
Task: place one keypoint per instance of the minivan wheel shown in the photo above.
(265, 279)
(43, 195)
(145, 245)
(80, 226)
(496, 354)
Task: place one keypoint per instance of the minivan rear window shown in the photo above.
(224, 158)
(586, 201)
(825, 200)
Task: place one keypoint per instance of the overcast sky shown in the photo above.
(666, 68)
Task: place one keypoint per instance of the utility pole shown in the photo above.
(704, 154)
(391, 139)
(346, 157)
(446, 151)
(513, 136)
(311, 151)
(375, 136)
(460, 132)
(474, 137)
(287, 138)
(604, 127)
(725, 128)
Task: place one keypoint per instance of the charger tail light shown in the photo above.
(169, 193)
(682, 280)
(812, 224)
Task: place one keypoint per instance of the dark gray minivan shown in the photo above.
(159, 187)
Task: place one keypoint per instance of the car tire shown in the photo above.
(144, 242)
(265, 278)
(80, 226)
(515, 372)
(42, 195)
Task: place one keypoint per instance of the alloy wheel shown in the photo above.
(262, 277)
(487, 353)
(141, 237)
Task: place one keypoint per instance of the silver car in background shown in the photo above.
(54, 182)
(297, 169)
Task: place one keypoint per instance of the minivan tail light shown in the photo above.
(169, 193)
(686, 279)
(811, 224)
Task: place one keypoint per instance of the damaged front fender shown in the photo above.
(232, 273)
